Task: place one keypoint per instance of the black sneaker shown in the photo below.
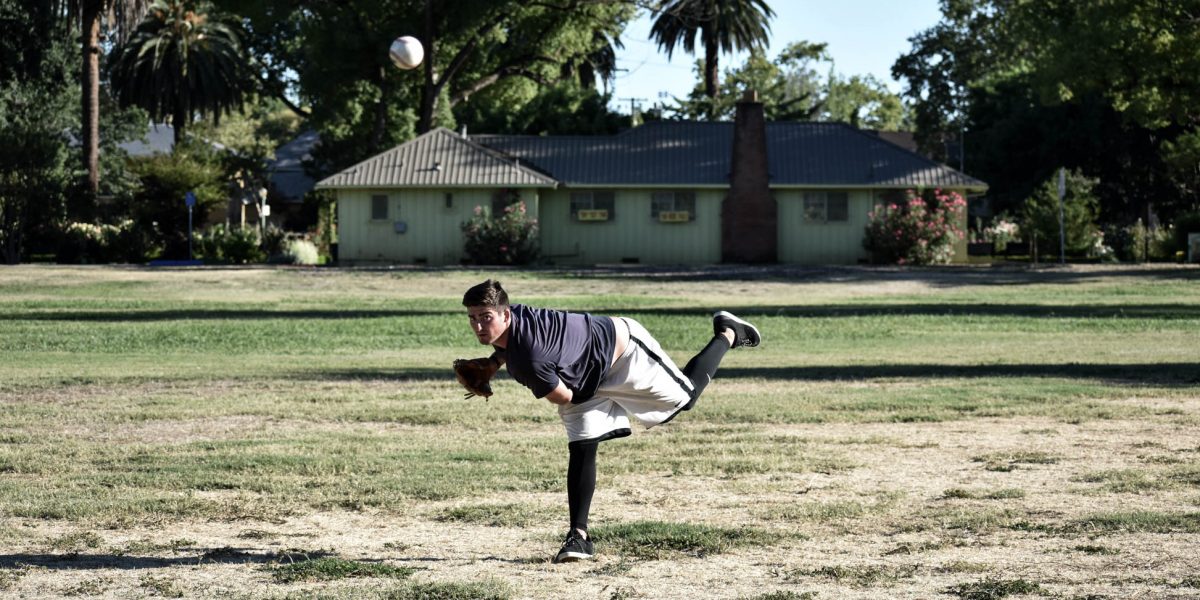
(744, 334)
(575, 548)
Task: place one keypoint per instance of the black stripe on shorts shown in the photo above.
(691, 391)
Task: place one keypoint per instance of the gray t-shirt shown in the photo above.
(547, 346)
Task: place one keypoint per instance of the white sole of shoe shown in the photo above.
(756, 338)
(571, 557)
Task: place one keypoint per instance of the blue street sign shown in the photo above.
(190, 199)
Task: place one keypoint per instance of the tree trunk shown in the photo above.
(90, 27)
(429, 91)
(380, 112)
(710, 70)
(179, 121)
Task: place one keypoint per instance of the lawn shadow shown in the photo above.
(231, 314)
(1166, 374)
(1049, 311)
(224, 555)
(1064, 311)
(948, 276)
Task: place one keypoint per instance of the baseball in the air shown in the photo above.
(406, 52)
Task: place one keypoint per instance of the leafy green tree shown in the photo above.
(1041, 215)
(479, 54)
(863, 101)
(36, 66)
(158, 209)
(564, 109)
(721, 25)
(968, 49)
(183, 59)
(789, 87)
(1029, 86)
(801, 84)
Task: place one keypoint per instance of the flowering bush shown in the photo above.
(103, 243)
(506, 239)
(1099, 249)
(1001, 233)
(921, 230)
(222, 244)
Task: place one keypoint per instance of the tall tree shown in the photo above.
(94, 17)
(1109, 88)
(36, 98)
(789, 87)
(480, 56)
(722, 26)
(182, 60)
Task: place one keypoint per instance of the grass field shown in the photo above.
(279, 433)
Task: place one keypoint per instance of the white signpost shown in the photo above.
(190, 199)
(1062, 224)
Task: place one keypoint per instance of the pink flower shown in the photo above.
(503, 248)
(478, 210)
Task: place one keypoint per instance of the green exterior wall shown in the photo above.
(833, 243)
(631, 233)
(433, 235)
(433, 231)
(808, 243)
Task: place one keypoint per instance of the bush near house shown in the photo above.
(90, 243)
(229, 245)
(506, 239)
(921, 230)
(158, 206)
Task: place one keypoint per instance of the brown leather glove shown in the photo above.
(476, 374)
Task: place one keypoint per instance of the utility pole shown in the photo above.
(633, 111)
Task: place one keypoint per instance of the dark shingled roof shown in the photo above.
(439, 158)
(694, 153)
(663, 153)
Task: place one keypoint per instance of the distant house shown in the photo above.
(666, 192)
(288, 180)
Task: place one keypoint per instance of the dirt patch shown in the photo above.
(886, 528)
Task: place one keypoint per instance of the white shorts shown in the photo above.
(644, 382)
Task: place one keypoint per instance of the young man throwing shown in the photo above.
(599, 371)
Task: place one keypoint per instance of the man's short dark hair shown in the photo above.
(488, 293)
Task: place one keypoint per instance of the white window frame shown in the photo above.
(593, 200)
(815, 206)
(674, 201)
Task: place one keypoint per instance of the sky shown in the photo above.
(864, 37)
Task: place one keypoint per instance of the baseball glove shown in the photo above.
(475, 374)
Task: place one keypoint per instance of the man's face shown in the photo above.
(489, 324)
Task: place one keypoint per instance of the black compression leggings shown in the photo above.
(704, 365)
(581, 482)
(581, 470)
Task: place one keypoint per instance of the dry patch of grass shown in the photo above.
(331, 569)
(658, 539)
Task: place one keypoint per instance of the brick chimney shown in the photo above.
(748, 214)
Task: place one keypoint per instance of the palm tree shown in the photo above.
(182, 60)
(723, 25)
(120, 16)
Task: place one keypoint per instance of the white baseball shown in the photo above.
(406, 52)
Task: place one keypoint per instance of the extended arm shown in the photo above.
(561, 394)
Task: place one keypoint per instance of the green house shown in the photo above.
(660, 193)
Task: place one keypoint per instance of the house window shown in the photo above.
(887, 197)
(826, 207)
(379, 207)
(592, 206)
(502, 199)
(673, 207)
